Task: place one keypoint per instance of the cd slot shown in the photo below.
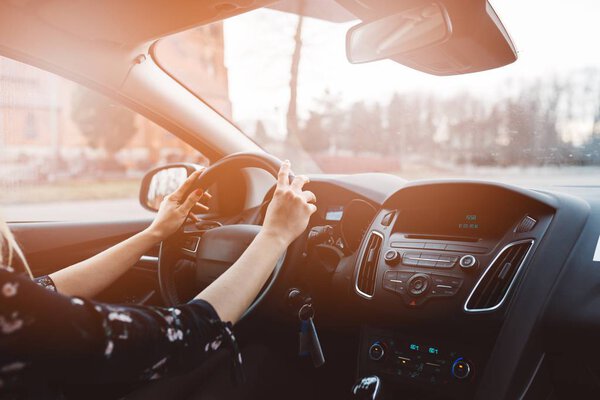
(443, 238)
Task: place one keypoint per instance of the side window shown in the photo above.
(68, 154)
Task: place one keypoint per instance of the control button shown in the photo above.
(388, 284)
(387, 218)
(418, 284)
(400, 288)
(445, 285)
(411, 259)
(466, 249)
(435, 246)
(389, 280)
(448, 291)
(452, 259)
(428, 260)
(455, 282)
(446, 262)
(405, 276)
(396, 281)
(392, 257)
(390, 274)
(438, 279)
(376, 351)
(461, 369)
(467, 262)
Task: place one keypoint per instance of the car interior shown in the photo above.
(411, 289)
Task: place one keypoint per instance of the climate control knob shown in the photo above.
(392, 257)
(461, 369)
(418, 284)
(376, 351)
(468, 262)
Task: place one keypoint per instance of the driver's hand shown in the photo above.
(176, 208)
(288, 213)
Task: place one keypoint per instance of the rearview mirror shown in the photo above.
(443, 37)
(161, 182)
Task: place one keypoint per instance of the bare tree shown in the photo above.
(292, 112)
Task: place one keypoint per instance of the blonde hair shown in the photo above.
(9, 248)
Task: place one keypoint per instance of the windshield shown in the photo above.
(285, 81)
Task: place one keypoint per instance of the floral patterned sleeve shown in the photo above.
(47, 337)
(46, 282)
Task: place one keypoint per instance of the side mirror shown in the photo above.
(162, 181)
(442, 37)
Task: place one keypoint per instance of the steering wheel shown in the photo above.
(214, 250)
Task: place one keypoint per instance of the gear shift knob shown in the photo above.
(367, 388)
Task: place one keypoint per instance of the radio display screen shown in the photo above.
(452, 222)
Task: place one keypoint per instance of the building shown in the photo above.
(36, 107)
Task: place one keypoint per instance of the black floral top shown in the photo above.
(48, 339)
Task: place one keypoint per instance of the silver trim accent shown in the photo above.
(149, 259)
(193, 252)
(396, 280)
(466, 364)
(533, 376)
(382, 351)
(360, 262)
(467, 256)
(377, 385)
(488, 309)
(444, 286)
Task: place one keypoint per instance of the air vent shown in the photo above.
(495, 283)
(367, 268)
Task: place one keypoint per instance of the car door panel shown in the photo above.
(51, 246)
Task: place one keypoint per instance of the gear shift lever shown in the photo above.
(367, 388)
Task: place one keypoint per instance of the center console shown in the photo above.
(442, 260)
(423, 364)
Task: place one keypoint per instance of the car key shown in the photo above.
(309, 339)
(304, 313)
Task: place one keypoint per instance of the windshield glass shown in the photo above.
(288, 85)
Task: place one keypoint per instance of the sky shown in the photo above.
(551, 36)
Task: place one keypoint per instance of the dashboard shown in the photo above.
(450, 282)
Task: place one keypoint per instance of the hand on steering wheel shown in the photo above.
(211, 252)
(176, 208)
(290, 209)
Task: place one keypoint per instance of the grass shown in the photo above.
(70, 190)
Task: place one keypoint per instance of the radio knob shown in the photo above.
(468, 262)
(391, 257)
(376, 351)
(461, 369)
(418, 284)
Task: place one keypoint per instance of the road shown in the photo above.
(130, 209)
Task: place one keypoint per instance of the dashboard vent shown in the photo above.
(367, 269)
(495, 283)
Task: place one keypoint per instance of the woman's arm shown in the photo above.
(74, 339)
(286, 218)
(47, 337)
(89, 277)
